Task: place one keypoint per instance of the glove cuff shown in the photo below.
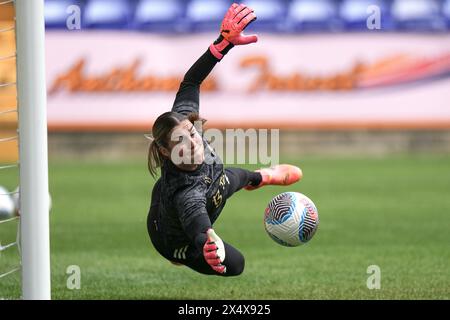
(220, 47)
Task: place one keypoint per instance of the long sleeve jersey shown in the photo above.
(191, 201)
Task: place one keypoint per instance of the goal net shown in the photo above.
(31, 242)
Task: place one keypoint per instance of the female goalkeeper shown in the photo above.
(194, 185)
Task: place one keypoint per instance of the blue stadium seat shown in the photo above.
(55, 12)
(271, 15)
(418, 15)
(160, 15)
(206, 15)
(313, 15)
(354, 14)
(446, 12)
(108, 14)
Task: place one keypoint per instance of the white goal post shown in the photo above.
(33, 159)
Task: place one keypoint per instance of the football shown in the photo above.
(291, 219)
(7, 209)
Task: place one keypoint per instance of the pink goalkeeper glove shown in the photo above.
(237, 18)
(214, 252)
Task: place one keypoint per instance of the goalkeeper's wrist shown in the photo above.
(200, 240)
(220, 47)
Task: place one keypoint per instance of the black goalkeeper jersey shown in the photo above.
(190, 201)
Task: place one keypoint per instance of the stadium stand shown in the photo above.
(446, 12)
(160, 16)
(418, 15)
(354, 14)
(108, 14)
(206, 15)
(185, 16)
(271, 15)
(313, 15)
(56, 12)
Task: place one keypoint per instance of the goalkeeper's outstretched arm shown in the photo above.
(188, 96)
(237, 18)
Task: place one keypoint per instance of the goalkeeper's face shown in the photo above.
(186, 146)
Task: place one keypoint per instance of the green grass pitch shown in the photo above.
(393, 212)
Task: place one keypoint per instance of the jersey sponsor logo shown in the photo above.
(223, 180)
(217, 198)
(208, 180)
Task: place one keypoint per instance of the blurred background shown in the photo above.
(351, 75)
(360, 90)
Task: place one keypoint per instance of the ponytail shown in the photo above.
(155, 158)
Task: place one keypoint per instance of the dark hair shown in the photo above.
(161, 130)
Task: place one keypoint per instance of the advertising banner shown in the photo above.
(106, 80)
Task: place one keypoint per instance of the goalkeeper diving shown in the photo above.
(194, 185)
